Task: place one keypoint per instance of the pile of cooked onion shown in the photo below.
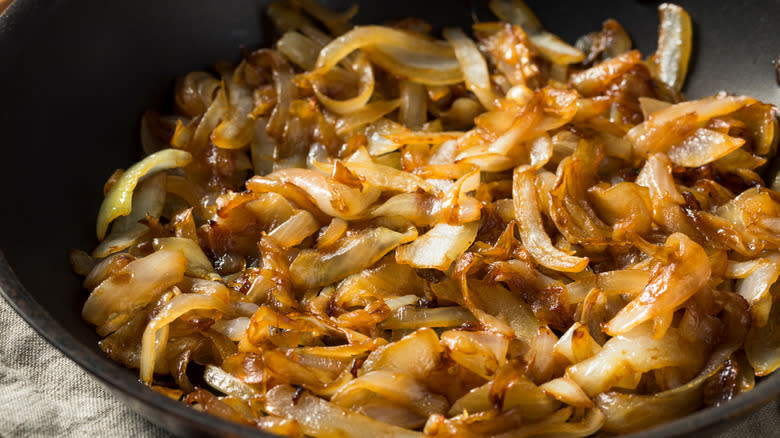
(372, 231)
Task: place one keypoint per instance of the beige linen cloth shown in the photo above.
(45, 394)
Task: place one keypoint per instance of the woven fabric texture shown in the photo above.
(45, 394)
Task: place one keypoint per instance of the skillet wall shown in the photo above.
(76, 75)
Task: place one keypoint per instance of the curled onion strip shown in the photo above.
(118, 200)
(532, 233)
(365, 89)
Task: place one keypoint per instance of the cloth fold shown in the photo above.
(45, 394)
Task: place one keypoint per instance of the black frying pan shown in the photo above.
(76, 75)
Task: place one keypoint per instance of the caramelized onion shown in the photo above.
(373, 231)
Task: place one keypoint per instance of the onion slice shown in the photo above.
(118, 200)
(321, 418)
(137, 284)
(474, 67)
(175, 308)
(687, 272)
(532, 233)
(675, 37)
(402, 53)
(313, 268)
(439, 247)
(703, 147)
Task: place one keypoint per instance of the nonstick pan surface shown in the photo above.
(75, 76)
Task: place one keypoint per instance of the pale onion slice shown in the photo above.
(675, 37)
(232, 328)
(322, 419)
(665, 197)
(411, 317)
(388, 178)
(299, 49)
(532, 233)
(369, 113)
(523, 394)
(419, 208)
(416, 355)
(178, 306)
(576, 344)
(499, 309)
(481, 352)
(400, 302)
(118, 200)
(736, 269)
(624, 358)
(314, 268)
(353, 104)
(134, 286)
(656, 175)
(387, 279)
(555, 49)
(401, 391)
(294, 230)
(649, 106)
(332, 197)
(755, 287)
(567, 391)
(417, 58)
(380, 136)
(624, 281)
(703, 147)
(439, 247)
(474, 66)
(417, 67)
(229, 384)
(198, 265)
(687, 271)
